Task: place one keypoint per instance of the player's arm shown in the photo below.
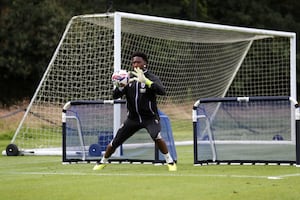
(118, 92)
(157, 85)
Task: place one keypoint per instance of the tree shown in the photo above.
(29, 34)
(30, 30)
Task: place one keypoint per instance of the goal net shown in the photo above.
(245, 130)
(88, 127)
(193, 59)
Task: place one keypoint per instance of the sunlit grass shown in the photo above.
(41, 177)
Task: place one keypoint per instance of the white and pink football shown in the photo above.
(120, 78)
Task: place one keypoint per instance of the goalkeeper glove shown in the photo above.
(140, 77)
(118, 85)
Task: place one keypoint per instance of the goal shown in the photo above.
(193, 59)
(88, 127)
(245, 130)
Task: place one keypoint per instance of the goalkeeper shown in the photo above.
(140, 94)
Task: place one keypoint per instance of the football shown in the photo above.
(120, 78)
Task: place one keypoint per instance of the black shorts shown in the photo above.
(130, 127)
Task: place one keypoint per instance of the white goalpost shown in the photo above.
(193, 59)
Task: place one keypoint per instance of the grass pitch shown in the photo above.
(45, 177)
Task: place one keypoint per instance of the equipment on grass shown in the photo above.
(193, 60)
(241, 130)
(88, 126)
(120, 78)
(12, 150)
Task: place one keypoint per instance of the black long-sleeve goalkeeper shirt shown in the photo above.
(141, 99)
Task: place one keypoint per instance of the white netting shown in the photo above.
(193, 61)
(88, 128)
(258, 130)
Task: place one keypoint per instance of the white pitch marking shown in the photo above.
(145, 175)
(274, 177)
(137, 175)
(287, 175)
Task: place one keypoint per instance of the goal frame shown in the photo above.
(295, 130)
(84, 149)
(117, 55)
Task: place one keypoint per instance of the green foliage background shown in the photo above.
(31, 29)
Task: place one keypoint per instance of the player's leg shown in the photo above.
(153, 127)
(127, 129)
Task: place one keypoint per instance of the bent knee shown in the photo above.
(158, 137)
